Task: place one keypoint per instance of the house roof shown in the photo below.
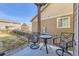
(9, 21)
(24, 24)
(41, 11)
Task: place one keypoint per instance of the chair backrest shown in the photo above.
(67, 38)
(34, 37)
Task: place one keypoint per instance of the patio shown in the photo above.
(27, 51)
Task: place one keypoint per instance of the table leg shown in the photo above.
(45, 41)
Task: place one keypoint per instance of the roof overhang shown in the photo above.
(46, 5)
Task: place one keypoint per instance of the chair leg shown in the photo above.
(62, 51)
(34, 46)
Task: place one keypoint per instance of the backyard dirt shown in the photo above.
(9, 41)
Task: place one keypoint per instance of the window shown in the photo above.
(44, 29)
(63, 22)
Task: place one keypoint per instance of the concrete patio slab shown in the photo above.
(36, 52)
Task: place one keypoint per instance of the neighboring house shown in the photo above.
(55, 18)
(24, 27)
(9, 24)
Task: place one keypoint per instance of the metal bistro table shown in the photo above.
(45, 37)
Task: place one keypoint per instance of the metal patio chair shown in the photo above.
(66, 42)
(34, 40)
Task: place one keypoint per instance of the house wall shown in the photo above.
(49, 18)
(12, 26)
(51, 25)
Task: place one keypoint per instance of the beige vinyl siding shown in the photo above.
(34, 26)
(51, 25)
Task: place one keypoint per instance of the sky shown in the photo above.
(21, 12)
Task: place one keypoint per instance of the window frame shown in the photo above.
(63, 19)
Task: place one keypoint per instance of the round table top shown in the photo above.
(45, 36)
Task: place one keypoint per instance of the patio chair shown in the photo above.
(2, 53)
(66, 42)
(34, 40)
(56, 39)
